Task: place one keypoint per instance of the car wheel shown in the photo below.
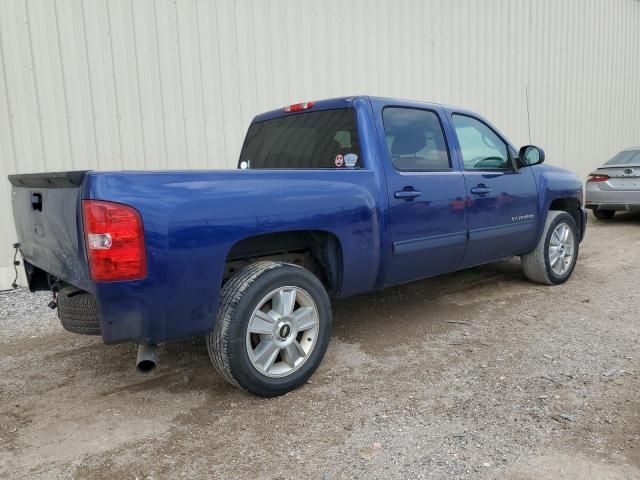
(78, 312)
(273, 328)
(604, 214)
(553, 260)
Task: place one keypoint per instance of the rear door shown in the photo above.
(427, 218)
(502, 201)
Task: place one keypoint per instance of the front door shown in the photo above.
(502, 201)
(427, 217)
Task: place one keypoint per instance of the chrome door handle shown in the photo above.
(407, 194)
(480, 190)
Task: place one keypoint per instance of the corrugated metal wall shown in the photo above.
(113, 84)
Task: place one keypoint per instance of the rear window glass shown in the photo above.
(324, 139)
(628, 157)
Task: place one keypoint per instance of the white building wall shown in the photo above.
(156, 84)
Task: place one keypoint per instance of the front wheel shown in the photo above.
(553, 260)
(273, 328)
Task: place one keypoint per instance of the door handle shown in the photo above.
(407, 194)
(36, 201)
(480, 190)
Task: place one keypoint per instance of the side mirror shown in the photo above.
(531, 155)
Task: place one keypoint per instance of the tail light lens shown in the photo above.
(594, 177)
(114, 240)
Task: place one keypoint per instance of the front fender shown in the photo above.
(562, 187)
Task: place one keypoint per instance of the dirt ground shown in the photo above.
(477, 374)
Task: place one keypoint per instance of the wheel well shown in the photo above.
(571, 206)
(316, 250)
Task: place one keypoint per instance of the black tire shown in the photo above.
(536, 264)
(603, 214)
(78, 312)
(239, 297)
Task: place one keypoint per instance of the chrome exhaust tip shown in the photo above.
(146, 361)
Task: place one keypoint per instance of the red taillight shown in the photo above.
(297, 107)
(114, 240)
(594, 177)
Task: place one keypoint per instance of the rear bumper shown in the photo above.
(583, 224)
(596, 198)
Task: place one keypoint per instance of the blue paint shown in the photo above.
(193, 218)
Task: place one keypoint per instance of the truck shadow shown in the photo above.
(412, 312)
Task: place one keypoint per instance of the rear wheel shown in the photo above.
(603, 214)
(273, 328)
(553, 260)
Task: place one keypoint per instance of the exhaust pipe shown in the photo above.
(146, 362)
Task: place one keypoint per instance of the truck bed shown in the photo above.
(191, 219)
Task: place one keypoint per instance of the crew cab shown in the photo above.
(330, 199)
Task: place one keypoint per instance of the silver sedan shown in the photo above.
(615, 186)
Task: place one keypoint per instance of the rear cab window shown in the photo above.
(325, 139)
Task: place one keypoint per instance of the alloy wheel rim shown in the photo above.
(282, 331)
(561, 249)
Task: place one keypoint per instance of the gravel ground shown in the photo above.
(477, 374)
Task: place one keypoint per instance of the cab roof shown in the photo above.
(347, 102)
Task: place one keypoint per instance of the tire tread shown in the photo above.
(232, 292)
(604, 214)
(534, 264)
(78, 312)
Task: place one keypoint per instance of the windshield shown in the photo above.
(323, 139)
(628, 157)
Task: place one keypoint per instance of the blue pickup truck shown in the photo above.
(330, 199)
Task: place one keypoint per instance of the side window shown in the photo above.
(480, 147)
(415, 139)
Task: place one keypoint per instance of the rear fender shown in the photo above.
(193, 219)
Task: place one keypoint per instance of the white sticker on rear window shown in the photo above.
(351, 160)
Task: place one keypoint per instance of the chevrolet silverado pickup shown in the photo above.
(330, 199)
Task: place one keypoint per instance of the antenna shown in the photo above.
(526, 91)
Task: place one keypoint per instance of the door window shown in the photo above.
(481, 147)
(415, 139)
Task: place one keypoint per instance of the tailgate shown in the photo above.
(46, 211)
